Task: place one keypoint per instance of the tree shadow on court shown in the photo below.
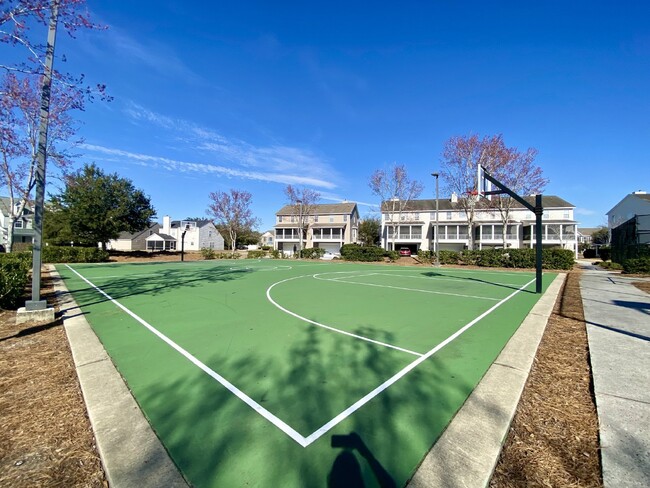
(217, 440)
(433, 274)
(164, 281)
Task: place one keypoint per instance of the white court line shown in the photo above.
(358, 404)
(448, 278)
(292, 433)
(284, 427)
(339, 280)
(333, 329)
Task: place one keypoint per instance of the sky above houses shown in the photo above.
(210, 96)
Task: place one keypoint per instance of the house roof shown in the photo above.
(199, 223)
(165, 237)
(4, 206)
(320, 209)
(134, 235)
(587, 231)
(445, 204)
(643, 196)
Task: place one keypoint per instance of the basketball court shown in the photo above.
(255, 373)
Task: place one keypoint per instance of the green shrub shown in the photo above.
(14, 272)
(355, 252)
(256, 254)
(589, 253)
(391, 255)
(637, 265)
(275, 254)
(267, 248)
(65, 254)
(605, 253)
(208, 253)
(557, 259)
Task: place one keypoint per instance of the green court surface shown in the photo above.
(247, 369)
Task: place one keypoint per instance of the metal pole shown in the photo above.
(36, 303)
(436, 175)
(300, 229)
(539, 211)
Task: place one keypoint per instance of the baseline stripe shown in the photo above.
(296, 436)
(357, 405)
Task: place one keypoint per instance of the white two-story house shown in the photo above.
(198, 234)
(23, 228)
(415, 227)
(328, 226)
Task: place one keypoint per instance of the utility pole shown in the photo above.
(36, 303)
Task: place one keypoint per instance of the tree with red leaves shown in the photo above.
(30, 90)
(461, 157)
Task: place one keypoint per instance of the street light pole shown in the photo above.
(299, 202)
(436, 175)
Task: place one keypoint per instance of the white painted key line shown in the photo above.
(283, 426)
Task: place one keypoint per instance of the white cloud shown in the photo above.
(203, 168)
(281, 158)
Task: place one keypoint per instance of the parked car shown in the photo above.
(328, 256)
(404, 251)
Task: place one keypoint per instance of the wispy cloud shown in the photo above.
(206, 169)
(281, 158)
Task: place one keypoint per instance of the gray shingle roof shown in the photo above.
(320, 209)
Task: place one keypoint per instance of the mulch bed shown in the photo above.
(45, 433)
(553, 440)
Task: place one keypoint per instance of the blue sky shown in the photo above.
(256, 95)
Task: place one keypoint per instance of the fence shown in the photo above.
(631, 239)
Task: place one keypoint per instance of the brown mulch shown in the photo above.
(46, 438)
(45, 434)
(553, 440)
(643, 285)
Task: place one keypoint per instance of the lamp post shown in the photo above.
(299, 202)
(436, 175)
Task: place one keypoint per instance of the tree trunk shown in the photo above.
(10, 233)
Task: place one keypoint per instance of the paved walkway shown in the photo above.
(618, 327)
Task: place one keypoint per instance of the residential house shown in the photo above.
(189, 235)
(416, 225)
(329, 226)
(267, 238)
(23, 226)
(132, 241)
(636, 203)
(585, 235)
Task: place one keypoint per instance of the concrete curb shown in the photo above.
(468, 450)
(131, 452)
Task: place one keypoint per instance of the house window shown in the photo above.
(416, 216)
(279, 218)
(315, 218)
(331, 219)
(448, 215)
(18, 224)
(345, 218)
(546, 214)
(566, 214)
(432, 215)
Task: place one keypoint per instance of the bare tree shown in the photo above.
(517, 171)
(395, 190)
(304, 201)
(232, 212)
(35, 99)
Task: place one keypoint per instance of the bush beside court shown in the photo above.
(14, 273)
(504, 258)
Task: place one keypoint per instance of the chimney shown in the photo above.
(454, 197)
(167, 225)
(638, 192)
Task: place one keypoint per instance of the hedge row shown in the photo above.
(14, 272)
(637, 265)
(504, 258)
(65, 254)
(355, 252)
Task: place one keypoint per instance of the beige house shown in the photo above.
(415, 227)
(328, 226)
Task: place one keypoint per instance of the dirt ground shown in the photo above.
(46, 438)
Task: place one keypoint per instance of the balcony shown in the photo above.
(405, 237)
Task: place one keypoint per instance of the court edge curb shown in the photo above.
(131, 453)
(468, 450)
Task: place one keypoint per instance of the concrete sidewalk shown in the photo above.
(618, 329)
